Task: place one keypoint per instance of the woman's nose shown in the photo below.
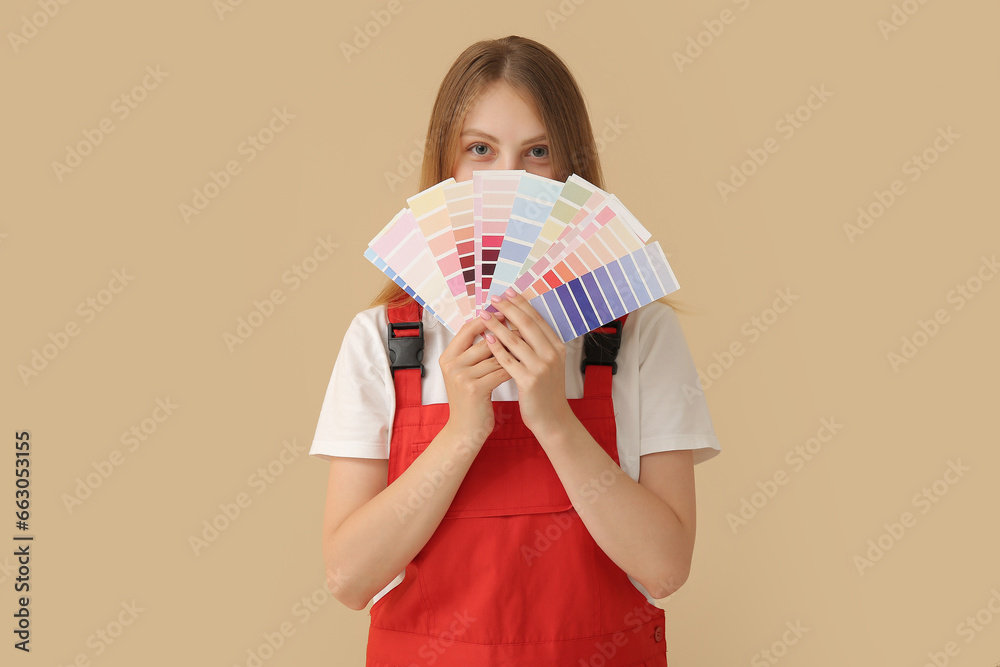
(509, 161)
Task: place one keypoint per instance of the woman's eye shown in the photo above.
(474, 148)
(544, 151)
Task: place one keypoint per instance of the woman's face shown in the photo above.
(502, 131)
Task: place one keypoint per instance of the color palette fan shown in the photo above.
(572, 249)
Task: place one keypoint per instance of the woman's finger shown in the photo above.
(535, 330)
(514, 342)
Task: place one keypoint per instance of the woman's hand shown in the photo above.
(535, 357)
(471, 373)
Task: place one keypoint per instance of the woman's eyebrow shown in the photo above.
(490, 137)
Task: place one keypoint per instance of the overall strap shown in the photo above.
(405, 341)
(600, 349)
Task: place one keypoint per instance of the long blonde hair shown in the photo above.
(541, 77)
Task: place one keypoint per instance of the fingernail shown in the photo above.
(485, 314)
(509, 292)
(495, 299)
(490, 338)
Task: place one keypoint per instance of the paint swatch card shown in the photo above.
(606, 293)
(573, 250)
(493, 199)
(403, 248)
(431, 212)
(610, 233)
(577, 203)
(533, 202)
(458, 199)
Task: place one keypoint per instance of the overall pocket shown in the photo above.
(511, 553)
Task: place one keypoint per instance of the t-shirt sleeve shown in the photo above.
(354, 419)
(673, 411)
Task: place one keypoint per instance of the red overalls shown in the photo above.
(511, 576)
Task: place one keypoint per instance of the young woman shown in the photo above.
(502, 505)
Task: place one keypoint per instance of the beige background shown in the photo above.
(324, 175)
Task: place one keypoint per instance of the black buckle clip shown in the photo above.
(600, 348)
(406, 351)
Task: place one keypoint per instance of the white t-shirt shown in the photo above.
(657, 395)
